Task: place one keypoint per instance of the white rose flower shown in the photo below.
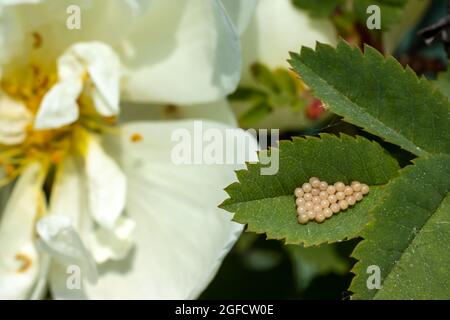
(96, 193)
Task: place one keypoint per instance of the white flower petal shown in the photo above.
(70, 66)
(69, 194)
(19, 260)
(70, 199)
(40, 288)
(59, 106)
(100, 20)
(240, 12)
(58, 279)
(179, 43)
(103, 66)
(179, 243)
(166, 47)
(59, 238)
(277, 28)
(11, 36)
(138, 6)
(107, 185)
(16, 2)
(112, 244)
(14, 119)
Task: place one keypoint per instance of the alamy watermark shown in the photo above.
(73, 21)
(225, 147)
(73, 281)
(374, 280)
(374, 20)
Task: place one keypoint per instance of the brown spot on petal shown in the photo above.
(25, 261)
(136, 137)
(37, 40)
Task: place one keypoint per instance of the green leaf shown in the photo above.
(279, 85)
(286, 82)
(409, 238)
(255, 114)
(264, 77)
(267, 204)
(248, 94)
(379, 95)
(313, 261)
(270, 91)
(443, 83)
(318, 8)
(391, 11)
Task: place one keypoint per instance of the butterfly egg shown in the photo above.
(323, 195)
(324, 204)
(340, 195)
(348, 191)
(301, 210)
(351, 200)
(320, 217)
(300, 202)
(358, 196)
(356, 186)
(332, 199)
(335, 208)
(315, 182)
(323, 186)
(331, 190)
(307, 187)
(316, 200)
(339, 186)
(309, 206)
(317, 208)
(343, 204)
(312, 179)
(303, 218)
(364, 189)
(299, 192)
(327, 212)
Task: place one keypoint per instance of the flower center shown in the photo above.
(28, 85)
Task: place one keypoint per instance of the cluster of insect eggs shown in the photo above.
(316, 200)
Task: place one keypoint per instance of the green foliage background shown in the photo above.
(398, 121)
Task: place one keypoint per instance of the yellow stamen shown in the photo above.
(136, 137)
(29, 85)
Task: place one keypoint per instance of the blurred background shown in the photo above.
(258, 268)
